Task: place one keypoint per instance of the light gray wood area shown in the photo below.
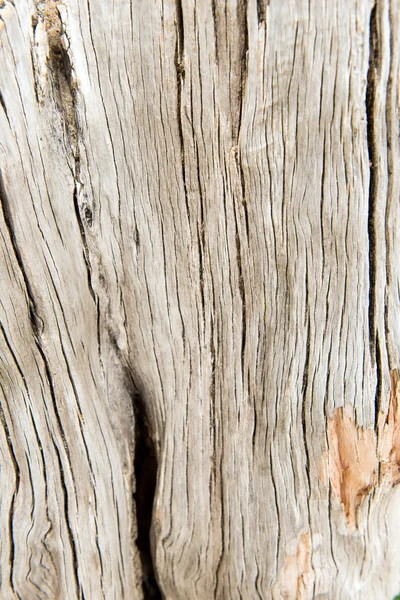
(199, 299)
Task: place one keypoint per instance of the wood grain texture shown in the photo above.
(199, 299)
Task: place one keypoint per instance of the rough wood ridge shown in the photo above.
(199, 299)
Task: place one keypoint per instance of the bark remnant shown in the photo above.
(360, 459)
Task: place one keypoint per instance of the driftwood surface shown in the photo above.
(199, 299)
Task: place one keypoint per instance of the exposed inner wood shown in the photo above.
(360, 459)
(296, 578)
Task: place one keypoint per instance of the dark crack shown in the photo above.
(144, 451)
(373, 155)
(244, 48)
(145, 474)
(180, 76)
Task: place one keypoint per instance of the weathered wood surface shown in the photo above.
(199, 299)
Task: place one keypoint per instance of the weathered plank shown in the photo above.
(199, 299)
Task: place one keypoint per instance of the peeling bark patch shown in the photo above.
(357, 459)
(389, 433)
(353, 462)
(48, 11)
(47, 33)
(52, 62)
(295, 580)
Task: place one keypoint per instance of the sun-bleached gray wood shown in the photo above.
(199, 299)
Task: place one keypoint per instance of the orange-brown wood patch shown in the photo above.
(359, 458)
(295, 578)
